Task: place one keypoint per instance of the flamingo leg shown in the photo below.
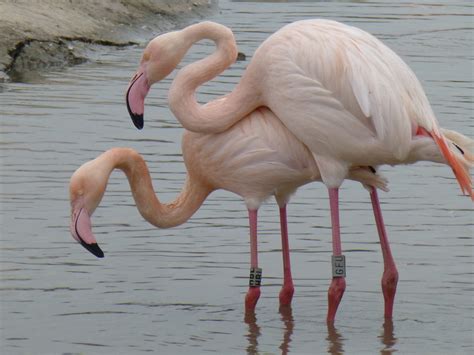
(286, 293)
(253, 293)
(390, 274)
(338, 284)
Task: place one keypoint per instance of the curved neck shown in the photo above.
(219, 114)
(161, 215)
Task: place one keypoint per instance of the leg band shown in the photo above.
(255, 277)
(338, 266)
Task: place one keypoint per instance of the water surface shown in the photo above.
(181, 290)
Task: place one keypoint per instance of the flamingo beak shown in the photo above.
(135, 96)
(81, 231)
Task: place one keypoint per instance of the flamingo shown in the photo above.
(339, 90)
(256, 158)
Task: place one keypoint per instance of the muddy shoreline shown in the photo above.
(36, 35)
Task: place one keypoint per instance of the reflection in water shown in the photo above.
(254, 330)
(387, 337)
(287, 319)
(335, 339)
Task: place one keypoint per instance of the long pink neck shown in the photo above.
(161, 215)
(219, 114)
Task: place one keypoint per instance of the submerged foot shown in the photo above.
(335, 293)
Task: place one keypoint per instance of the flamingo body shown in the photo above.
(347, 86)
(255, 159)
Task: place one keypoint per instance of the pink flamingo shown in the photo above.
(345, 95)
(256, 158)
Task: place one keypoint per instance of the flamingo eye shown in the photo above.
(459, 148)
(146, 56)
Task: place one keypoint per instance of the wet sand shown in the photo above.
(35, 35)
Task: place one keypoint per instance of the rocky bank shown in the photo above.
(38, 34)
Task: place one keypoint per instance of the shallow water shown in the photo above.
(181, 290)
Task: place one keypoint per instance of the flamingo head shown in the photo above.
(81, 231)
(85, 194)
(160, 57)
(463, 146)
(464, 155)
(448, 147)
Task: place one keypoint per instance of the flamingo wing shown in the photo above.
(344, 94)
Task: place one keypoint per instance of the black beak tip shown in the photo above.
(94, 249)
(137, 120)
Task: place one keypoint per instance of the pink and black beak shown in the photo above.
(135, 96)
(81, 231)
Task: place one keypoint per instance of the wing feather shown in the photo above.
(343, 85)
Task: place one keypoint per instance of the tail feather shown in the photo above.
(460, 171)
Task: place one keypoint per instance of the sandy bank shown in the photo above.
(36, 34)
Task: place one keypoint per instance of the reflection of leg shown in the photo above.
(287, 319)
(286, 293)
(335, 340)
(388, 337)
(255, 273)
(390, 274)
(338, 284)
(253, 334)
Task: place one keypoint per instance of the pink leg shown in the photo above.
(253, 293)
(338, 284)
(390, 274)
(286, 293)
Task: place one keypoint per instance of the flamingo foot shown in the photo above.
(389, 288)
(286, 295)
(335, 293)
(251, 298)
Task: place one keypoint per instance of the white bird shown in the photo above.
(344, 94)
